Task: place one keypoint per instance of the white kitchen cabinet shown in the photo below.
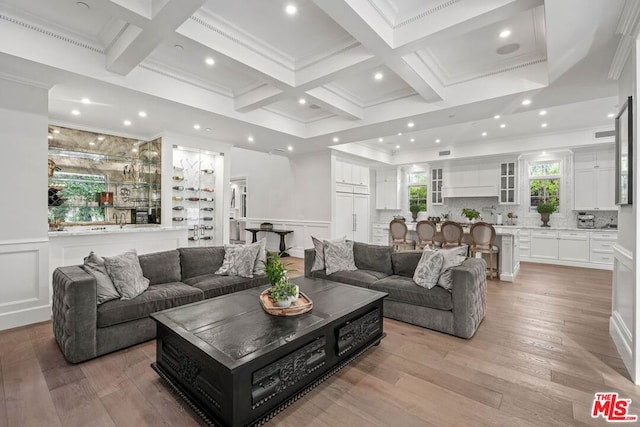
(387, 189)
(436, 186)
(601, 245)
(573, 246)
(544, 244)
(594, 180)
(525, 243)
(507, 186)
(380, 234)
(349, 173)
(360, 175)
(352, 216)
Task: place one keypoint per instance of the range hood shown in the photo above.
(470, 191)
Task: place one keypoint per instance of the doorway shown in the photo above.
(238, 210)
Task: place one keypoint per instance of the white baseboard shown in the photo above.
(567, 263)
(622, 340)
(27, 316)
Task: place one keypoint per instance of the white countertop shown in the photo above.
(113, 229)
(508, 229)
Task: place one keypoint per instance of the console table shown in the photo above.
(282, 233)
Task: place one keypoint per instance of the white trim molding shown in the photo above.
(621, 322)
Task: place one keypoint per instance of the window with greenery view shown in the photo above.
(544, 183)
(418, 191)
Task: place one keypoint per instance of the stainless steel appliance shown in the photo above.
(586, 220)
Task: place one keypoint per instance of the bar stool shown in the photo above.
(426, 231)
(452, 233)
(482, 237)
(398, 231)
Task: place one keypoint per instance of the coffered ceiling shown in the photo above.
(333, 72)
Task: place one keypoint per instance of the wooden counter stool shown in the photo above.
(398, 232)
(426, 231)
(452, 233)
(482, 237)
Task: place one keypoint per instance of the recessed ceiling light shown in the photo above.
(544, 125)
(497, 116)
(399, 133)
(49, 136)
(75, 112)
(526, 102)
(250, 139)
(380, 139)
(209, 61)
(502, 126)
(378, 76)
(85, 101)
(142, 113)
(196, 126)
(92, 143)
(437, 141)
(290, 148)
(505, 33)
(291, 9)
(127, 122)
(208, 129)
(336, 139)
(134, 150)
(412, 140)
(610, 115)
(302, 101)
(101, 138)
(56, 131)
(543, 113)
(410, 124)
(484, 134)
(83, 5)
(178, 46)
(397, 147)
(544, 153)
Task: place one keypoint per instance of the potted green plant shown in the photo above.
(513, 218)
(282, 291)
(414, 208)
(545, 209)
(471, 214)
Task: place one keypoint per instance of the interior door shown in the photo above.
(344, 215)
(361, 212)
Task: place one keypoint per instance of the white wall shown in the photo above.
(24, 259)
(623, 324)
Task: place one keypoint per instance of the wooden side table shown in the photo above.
(281, 233)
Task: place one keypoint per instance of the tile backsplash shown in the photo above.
(489, 209)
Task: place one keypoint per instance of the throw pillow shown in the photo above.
(126, 274)
(239, 260)
(261, 258)
(452, 258)
(318, 245)
(338, 256)
(428, 269)
(105, 289)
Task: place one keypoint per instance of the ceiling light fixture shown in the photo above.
(484, 134)
(543, 113)
(209, 61)
(142, 113)
(378, 76)
(208, 129)
(437, 141)
(497, 116)
(411, 124)
(502, 126)
(302, 101)
(399, 133)
(101, 138)
(526, 102)
(85, 101)
(397, 147)
(336, 139)
(412, 140)
(250, 139)
(380, 139)
(291, 9)
(611, 115)
(127, 122)
(75, 112)
(56, 131)
(134, 150)
(49, 136)
(290, 148)
(196, 126)
(505, 33)
(92, 143)
(544, 125)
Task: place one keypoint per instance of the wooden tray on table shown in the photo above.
(302, 305)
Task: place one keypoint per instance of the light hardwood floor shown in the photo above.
(539, 356)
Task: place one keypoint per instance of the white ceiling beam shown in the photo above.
(335, 103)
(258, 98)
(134, 44)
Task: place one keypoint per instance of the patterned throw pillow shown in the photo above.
(126, 274)
(428, 269)
(105, 289)
(261, 259)
(338, 256)
(452, 258)
(239, 260)
(319, 245)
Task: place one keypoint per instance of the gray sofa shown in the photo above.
(85, 330)
(457, 312)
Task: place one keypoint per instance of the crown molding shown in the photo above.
(344, 93)
(385, 7)
(24, 81)
(289, 116)
(629, 27)
(182, 76)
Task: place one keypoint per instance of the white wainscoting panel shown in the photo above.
(295, 242)
(621, 322)
(24, 290)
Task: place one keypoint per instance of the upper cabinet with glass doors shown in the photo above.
(508, 192)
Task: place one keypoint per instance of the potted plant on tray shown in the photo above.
(282, 291)
(471, 214)
(545, 209)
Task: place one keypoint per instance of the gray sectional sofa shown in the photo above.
(457, 312)
(85, 330)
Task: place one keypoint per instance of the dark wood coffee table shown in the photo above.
(237, 365)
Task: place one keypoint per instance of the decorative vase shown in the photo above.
(414, 215)
(285, 303)
(545, 219)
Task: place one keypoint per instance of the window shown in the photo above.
(544, 183)
(418, 191)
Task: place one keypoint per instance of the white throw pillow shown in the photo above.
(452, 258)
(319, 245)
(126, 274)
(239, 260)
(338, 256)
(428, 269)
